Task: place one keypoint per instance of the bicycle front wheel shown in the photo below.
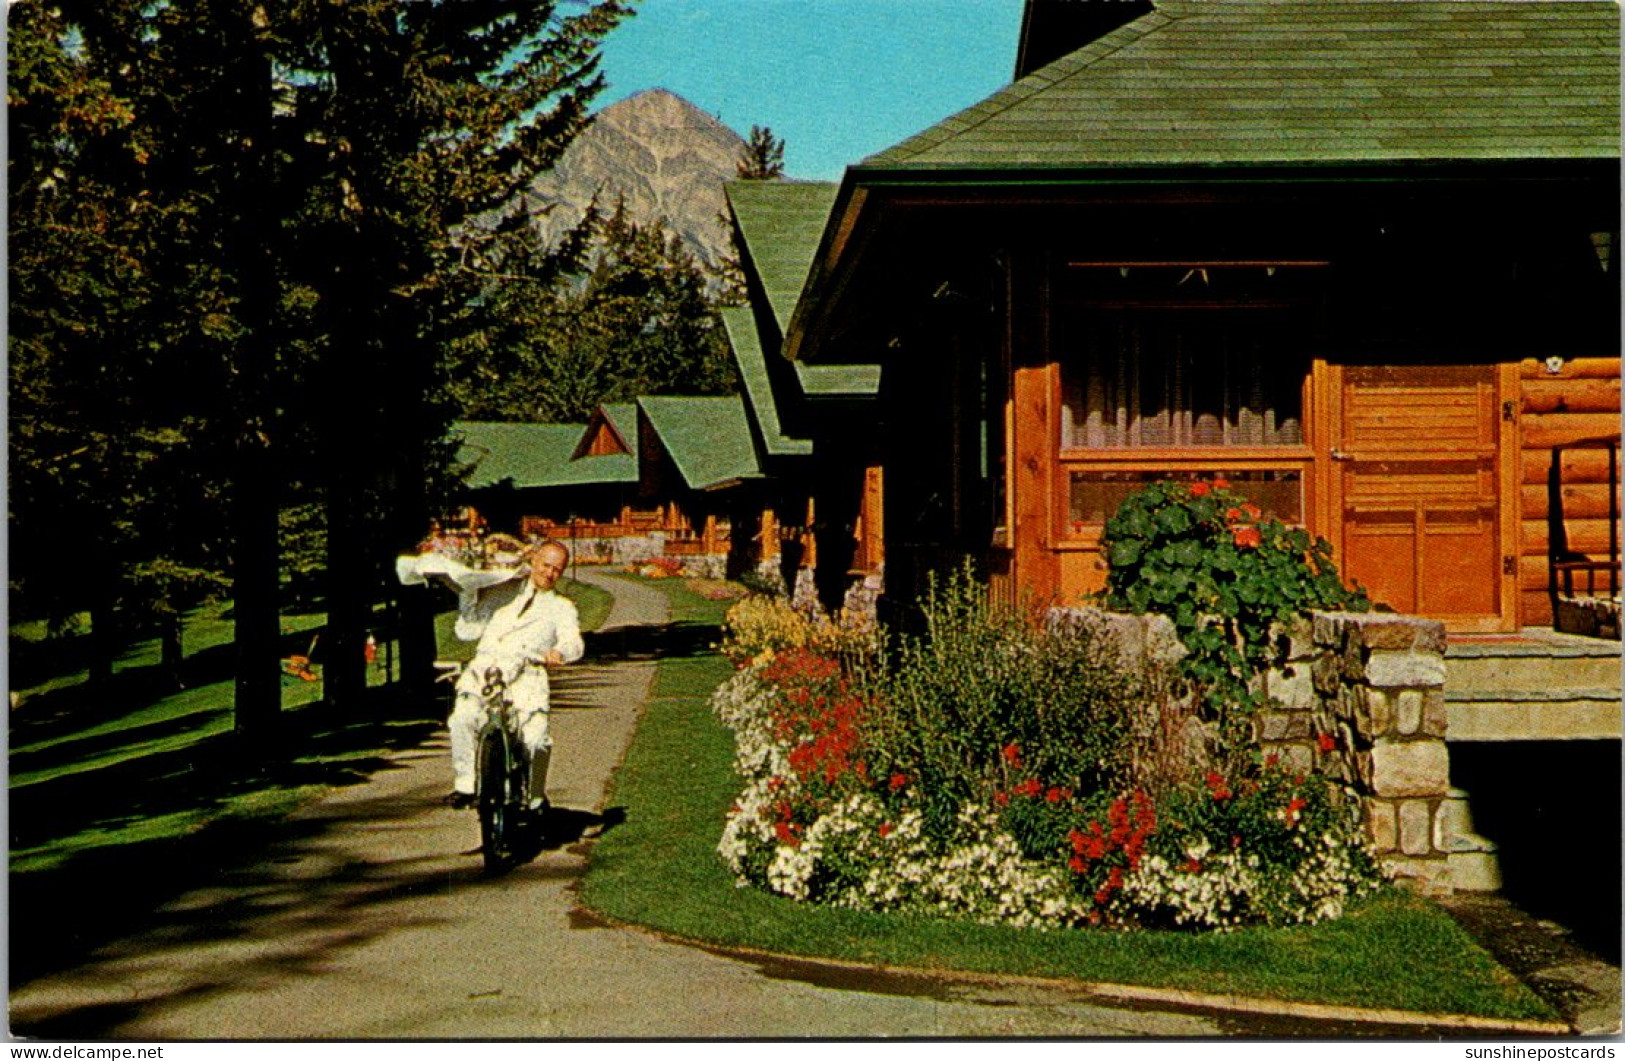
(496, 812)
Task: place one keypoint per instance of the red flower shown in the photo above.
(1327, 742)
(1248, 537)
(1001, 798)
(1272, 759)
(786, 833)
(1200, 489)
(1253, 510)
(1235, 841)
(1117, 818)
(1030, 787)
(1217, 786)
(898, 781)
(1295, 805)
(1012, 755)
(885, 828)
(1056, 795)
(1221, 483)
(1078, 865)
(1192, 866)
(1232, 513)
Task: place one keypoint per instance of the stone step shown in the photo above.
(1568, 714)
(1561, 694)
(1474, 861)
(1533, 673)
(1537, 684)
(1475, 871)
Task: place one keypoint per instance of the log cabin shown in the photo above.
(1357, 258)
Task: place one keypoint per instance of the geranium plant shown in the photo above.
(1228, 577)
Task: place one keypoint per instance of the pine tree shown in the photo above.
(262, 212)
(110, 507)
(636, 316)
(763, 157)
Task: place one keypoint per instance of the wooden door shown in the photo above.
(1416, 454)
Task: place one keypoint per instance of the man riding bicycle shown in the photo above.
(537, 629)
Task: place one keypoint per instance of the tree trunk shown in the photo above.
(344, 674)
(254, 480)
(103, 639)
(171, 655)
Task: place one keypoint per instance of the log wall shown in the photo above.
(1580, 401)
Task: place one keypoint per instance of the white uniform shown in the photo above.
(517, 639)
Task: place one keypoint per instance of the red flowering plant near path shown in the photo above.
(1207, 557)
(1101, 837)
(818, 717)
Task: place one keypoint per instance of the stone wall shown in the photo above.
(1361, 700)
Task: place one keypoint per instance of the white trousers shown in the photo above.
(529, 694)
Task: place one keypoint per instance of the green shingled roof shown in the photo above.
(535, 455)
(1267, 81)
(781, 222)
(740, 324)
(708, 438)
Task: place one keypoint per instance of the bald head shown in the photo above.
(547, 563)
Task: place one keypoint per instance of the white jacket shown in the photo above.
(522, 632)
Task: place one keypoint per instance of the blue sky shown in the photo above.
(836, 79)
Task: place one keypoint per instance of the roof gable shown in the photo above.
(1266, 81)
(611, 430)
(780, 223)
(707, 438)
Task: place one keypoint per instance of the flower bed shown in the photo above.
(987, 771)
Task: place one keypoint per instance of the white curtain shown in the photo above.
(1179, 378)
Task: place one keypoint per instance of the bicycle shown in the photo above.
(502, 779)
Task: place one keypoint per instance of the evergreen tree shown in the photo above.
(636, 317)
(763, 157)
(111, 511)
(258, 210)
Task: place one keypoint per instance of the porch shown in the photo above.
(1533, 685)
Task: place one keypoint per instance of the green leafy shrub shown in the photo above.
(983, 679)
(1204, 556)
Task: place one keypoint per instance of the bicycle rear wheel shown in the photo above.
(496, 812)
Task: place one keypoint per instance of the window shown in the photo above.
(1153, 378)
(1183, 372)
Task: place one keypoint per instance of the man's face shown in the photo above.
(546, 565)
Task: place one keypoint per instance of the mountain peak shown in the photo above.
(664, 157)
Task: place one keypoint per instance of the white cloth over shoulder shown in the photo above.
(480, 592)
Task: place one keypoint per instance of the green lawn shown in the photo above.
(660, 869)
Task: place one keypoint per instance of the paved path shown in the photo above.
(372, 919)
